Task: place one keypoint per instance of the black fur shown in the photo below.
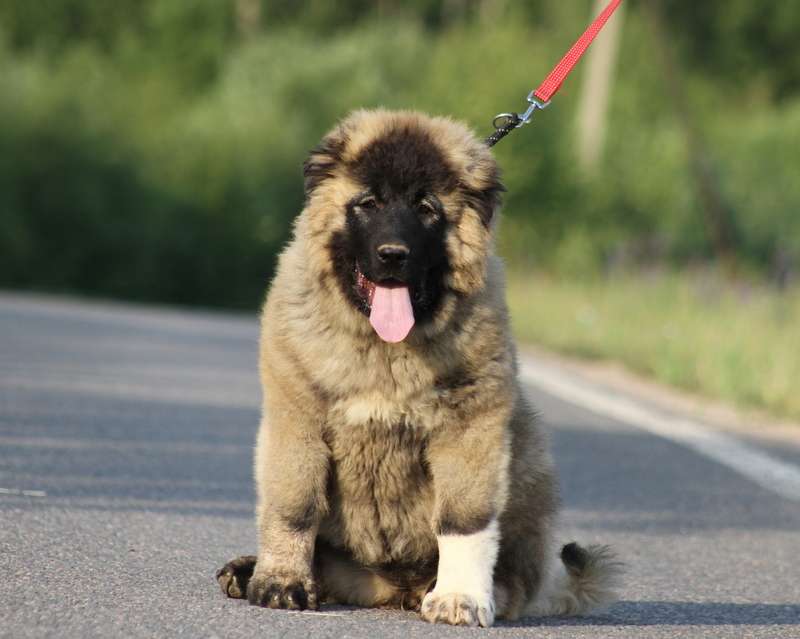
(574, 557)
(234, 576)
(344, 268)
(303, 518)
(406, 164)
(456, 381)
(451, 523)
(277, 596)
(487, 201)
(321, 162)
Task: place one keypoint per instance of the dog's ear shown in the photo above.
(485, 201)
(322, 160)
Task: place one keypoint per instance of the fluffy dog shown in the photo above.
(398, 463)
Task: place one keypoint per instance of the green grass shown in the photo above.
(739, 343)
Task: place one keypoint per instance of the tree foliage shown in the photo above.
(151, 149)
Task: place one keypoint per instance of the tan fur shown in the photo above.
(367, 448)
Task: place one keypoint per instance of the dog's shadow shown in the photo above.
(631, 613)
(675, 613)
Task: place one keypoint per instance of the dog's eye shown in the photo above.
(368, 204)
(429, 209)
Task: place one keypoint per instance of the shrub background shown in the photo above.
(152, 149)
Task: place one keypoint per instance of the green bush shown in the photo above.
(159, 157)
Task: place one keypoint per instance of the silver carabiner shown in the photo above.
(533, 104)
(506, 119)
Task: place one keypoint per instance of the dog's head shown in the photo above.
(400, 211)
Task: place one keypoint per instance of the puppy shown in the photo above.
(398, 463)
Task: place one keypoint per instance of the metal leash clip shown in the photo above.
(515, 120)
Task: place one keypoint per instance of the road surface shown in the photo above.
(126, 436)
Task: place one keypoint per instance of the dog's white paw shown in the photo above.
(458, 609)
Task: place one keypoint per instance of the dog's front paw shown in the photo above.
(282, 591)
(234, 576)
(457, 609)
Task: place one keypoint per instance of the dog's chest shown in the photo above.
(381, 493)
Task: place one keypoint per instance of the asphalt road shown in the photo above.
(125, 480)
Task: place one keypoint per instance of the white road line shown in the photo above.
(773, 474)
(26, 493)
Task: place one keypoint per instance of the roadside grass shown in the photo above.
(735, 342)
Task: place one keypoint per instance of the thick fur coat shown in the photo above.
(409, 473)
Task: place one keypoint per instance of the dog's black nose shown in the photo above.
(393, 254)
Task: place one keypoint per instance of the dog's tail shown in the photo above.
(585, 579)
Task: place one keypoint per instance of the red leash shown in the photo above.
(540, 98)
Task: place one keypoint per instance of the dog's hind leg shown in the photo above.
(234, 576)
(344, 581)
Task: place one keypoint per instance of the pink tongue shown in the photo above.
(392, 316)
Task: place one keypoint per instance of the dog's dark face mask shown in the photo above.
(395, 243)
(391, 260)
